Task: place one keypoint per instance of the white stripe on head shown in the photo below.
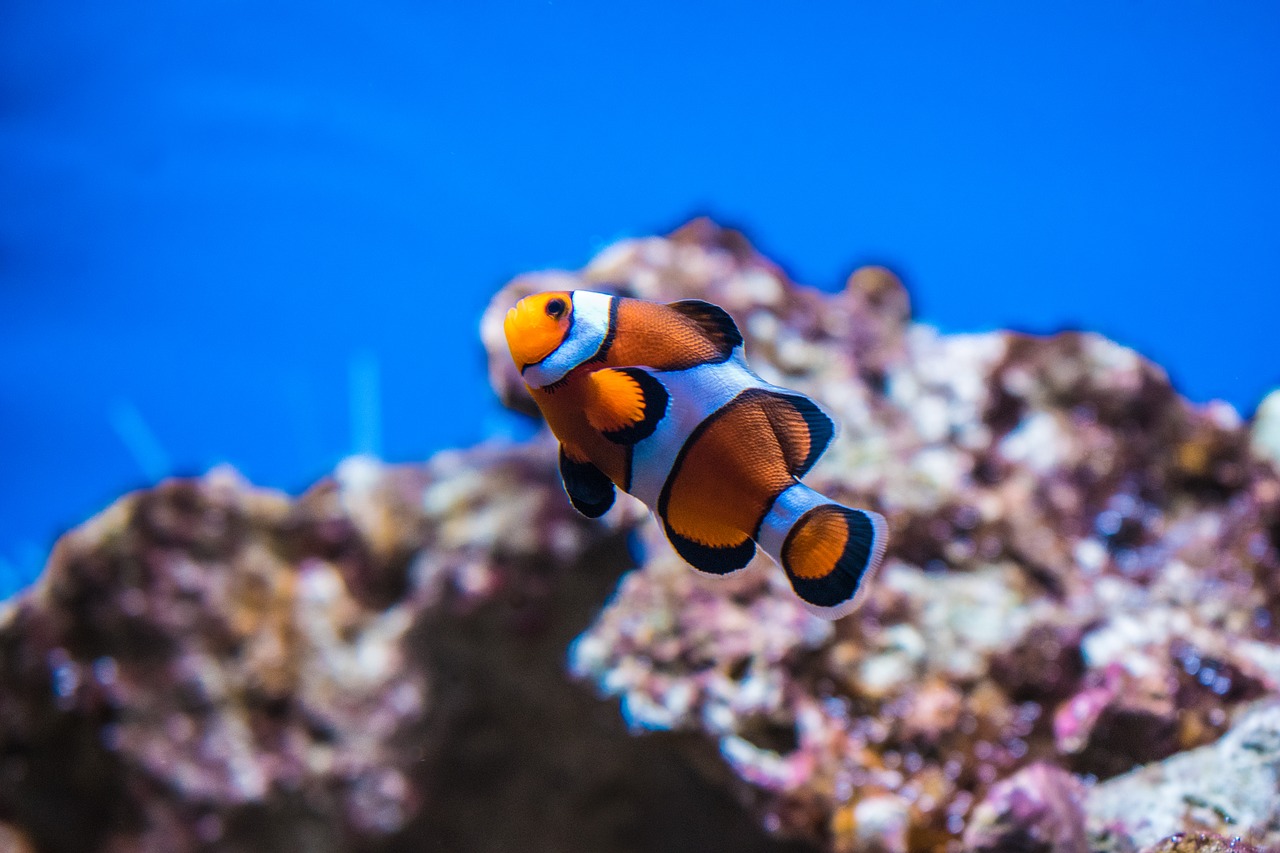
(590, 326)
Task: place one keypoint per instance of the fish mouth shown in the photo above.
(508, 325)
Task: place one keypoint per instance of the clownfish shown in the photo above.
(657, 400)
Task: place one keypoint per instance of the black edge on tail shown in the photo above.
(842, 587)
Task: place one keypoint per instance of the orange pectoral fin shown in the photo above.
(625, 404)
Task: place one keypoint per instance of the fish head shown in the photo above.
(537, 326)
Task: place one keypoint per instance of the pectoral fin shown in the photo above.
(625, 404)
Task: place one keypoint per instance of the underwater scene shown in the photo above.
(550, 426)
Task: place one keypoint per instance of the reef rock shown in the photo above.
(1231, 787)
(1074, 643)
(1201, 842)
(1266, 428)
(1083, 574)
(207, 664)
(1039, 808)
(374, 666)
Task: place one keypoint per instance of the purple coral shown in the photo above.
(204, 655)
(1039, 809)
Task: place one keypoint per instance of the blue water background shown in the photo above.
(262, 233)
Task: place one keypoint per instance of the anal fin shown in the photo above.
(589, 490)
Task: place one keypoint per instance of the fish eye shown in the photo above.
(555, 308)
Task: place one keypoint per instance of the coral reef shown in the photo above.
(1074, 644)
(1082, 575)
(1041, 807)
(204, 659)
(370, 667)
(1231, 785)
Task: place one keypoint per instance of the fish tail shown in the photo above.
(830, 552)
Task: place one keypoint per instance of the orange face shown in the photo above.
(537, 325)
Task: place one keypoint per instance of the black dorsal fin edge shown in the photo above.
(714, 321)
(821, 429)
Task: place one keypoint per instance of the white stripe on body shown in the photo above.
(695, 394)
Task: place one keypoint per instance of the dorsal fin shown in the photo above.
(714, 322)
(803, 430)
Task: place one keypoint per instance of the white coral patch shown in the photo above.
(1040, 442)
(966, 617)
(1224, 787)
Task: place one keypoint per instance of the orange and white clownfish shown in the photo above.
(658, 400)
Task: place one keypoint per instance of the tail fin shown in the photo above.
(829, 552)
